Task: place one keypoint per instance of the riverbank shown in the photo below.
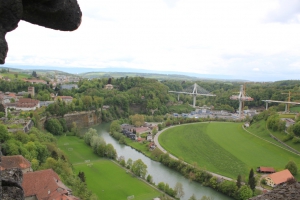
(104, 177)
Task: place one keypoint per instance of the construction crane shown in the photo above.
(287, 106)
(241, 97)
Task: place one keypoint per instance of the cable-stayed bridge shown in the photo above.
(194, 90)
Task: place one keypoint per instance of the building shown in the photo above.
(66, 99)
(27, 104)
(46, 103)
(45, 185)
(31, 91)
(265, 170)
(17, 161)
(278, 178)
(35, 81)
(68, 86)
(109, 87)
(288, 122)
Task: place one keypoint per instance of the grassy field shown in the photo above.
(105, 178)
(292, 116)
(80, 152)
(183, 108)
(259, 128)
(11, 75)
(295, 109)
(224, 148)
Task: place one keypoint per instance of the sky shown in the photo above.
(256, 40)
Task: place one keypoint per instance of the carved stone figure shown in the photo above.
(64, 15)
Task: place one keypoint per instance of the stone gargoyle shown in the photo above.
(64, 15)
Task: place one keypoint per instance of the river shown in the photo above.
(158, 171)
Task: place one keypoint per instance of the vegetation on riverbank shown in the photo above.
(103, 177)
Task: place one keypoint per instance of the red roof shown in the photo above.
(27, 103)
(266, 169)
(17, 161)
(281, 177)
(45, 184)
(141, 129)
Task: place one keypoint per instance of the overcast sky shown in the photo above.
(243, 39)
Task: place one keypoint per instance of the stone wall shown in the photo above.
(83, 119)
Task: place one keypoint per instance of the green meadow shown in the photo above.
(104, 177)
(224, 148)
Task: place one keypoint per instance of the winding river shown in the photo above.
(158, 171)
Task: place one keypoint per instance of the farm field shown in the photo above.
(104, 177)
(224, 148)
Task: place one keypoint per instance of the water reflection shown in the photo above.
(159, 172)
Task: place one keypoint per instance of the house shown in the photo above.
(66, 99)
(35, 81)
(27, 104)
(265, 170)
(46, 103)
(152, 146)
(278, 178)
(288, 122)
(69, 86)
(142, 129)
(17, 161)
(149, 137)
(45, 184)
(109, 87)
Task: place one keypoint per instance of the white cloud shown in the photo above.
(206, 37)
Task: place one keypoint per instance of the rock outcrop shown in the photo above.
(287, 191)
(64, 15)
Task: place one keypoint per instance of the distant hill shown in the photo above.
(118, 72)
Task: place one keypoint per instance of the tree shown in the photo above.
(192, 197)
(239, 181)
(244, 193)
(149, 178)
(139, 168)
(34, 74)
(179, 190)
(137, 120)
(154, 131)
(81, 175)
(292, 167)
(115, 126)
(129, 163)
(206, 198)
(296, 128)
(3, 133)
(54, 126)
(252, 181)
(110, 151)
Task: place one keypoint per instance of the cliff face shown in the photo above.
(83, 119)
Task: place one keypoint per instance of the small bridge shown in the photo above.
(194, 90)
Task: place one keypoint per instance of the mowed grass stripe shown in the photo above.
(193, 144)
(246, 149)
(110, 181)
(80, 152)
(104, 177)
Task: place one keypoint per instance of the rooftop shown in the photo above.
(17, 161)
(281, 177)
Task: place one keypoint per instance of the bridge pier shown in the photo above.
(194, 101)
(286, 107)
(267, 104)
(178, 97)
